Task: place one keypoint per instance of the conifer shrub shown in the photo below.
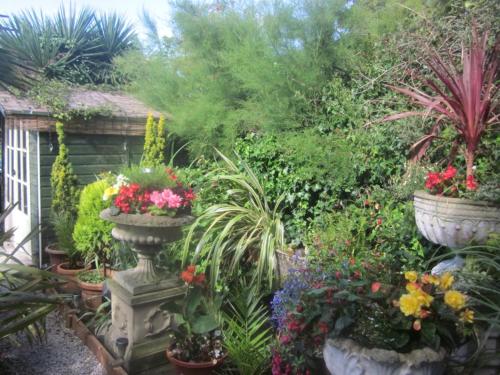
(154, 143)
(65, 193)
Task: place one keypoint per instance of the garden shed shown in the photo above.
(107, 140)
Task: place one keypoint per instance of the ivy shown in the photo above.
(55, 96)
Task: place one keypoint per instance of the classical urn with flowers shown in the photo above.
(149, 207)
(445, 216)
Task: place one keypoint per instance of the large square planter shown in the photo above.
(455, 222)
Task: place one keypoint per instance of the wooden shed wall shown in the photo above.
(89, 155)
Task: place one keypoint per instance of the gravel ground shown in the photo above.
(62, 354)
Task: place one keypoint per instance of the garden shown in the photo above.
(319, 195)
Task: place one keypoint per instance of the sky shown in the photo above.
(130, 8)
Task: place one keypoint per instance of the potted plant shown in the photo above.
(467, 100)
(149, 207)
(93, 240)
(196, 346)
(446, 217)
(372, 319)
(64, 204)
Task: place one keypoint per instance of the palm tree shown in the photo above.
(75, 46)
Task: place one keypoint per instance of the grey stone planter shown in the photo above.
(146, 234)
(141, 295)
(455, 222)
(345, 357)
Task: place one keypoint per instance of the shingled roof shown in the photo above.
(119, 104)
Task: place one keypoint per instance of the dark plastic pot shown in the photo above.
(193, 368)
(56, 256)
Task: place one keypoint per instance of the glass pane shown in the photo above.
(20, 205)
(12, 162)
(25, 164)
(18, 136)
(7, 193)
(11, 137)
(25, 199)
(19, 171)
(24, 139)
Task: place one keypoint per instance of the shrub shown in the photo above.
(92, 235)
(154, 143)
(65, 192)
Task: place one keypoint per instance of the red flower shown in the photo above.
(449, 173)
(356, 274)
(299, 308)
(199, 279)
(471, 183)
(379, 221)
(189, 195)
(285, 340)
(338, 275)
(375, 287)
(433, 179)
(293, 326)
(323, 327)
(191, 268)
(187, 277)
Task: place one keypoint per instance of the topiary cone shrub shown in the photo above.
(65, 194)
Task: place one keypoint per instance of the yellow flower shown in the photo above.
(411, 276)
(409, 305)
(467, 316)
(454, 299)
(109, 192)
(424, 298)
(412, 287)
(430, 279)
(446, 281)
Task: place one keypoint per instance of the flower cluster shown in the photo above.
(447, 183)
(374, 307)
(422, 290)
(189, 276)
(135, 198)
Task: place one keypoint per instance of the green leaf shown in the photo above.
(205, 324)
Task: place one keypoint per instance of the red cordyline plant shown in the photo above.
(466, 99)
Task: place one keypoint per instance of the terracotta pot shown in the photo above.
(70, 274)
(91, 294)
(455, 222)
(56, 256)
(345, 357)
(193, 368)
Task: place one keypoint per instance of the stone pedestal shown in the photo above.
(139, 318)
(138, 293)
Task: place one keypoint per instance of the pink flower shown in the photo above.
(173, 200)
(157, 198)
(449, 173)
(165, 198)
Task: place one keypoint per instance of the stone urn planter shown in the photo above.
(455, 222)
(194, 368)
(146, 233)
(56, 256)
(288, 261)
(345, 357)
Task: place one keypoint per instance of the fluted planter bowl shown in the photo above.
(455, 222)
(345, 357)
(146, 233)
